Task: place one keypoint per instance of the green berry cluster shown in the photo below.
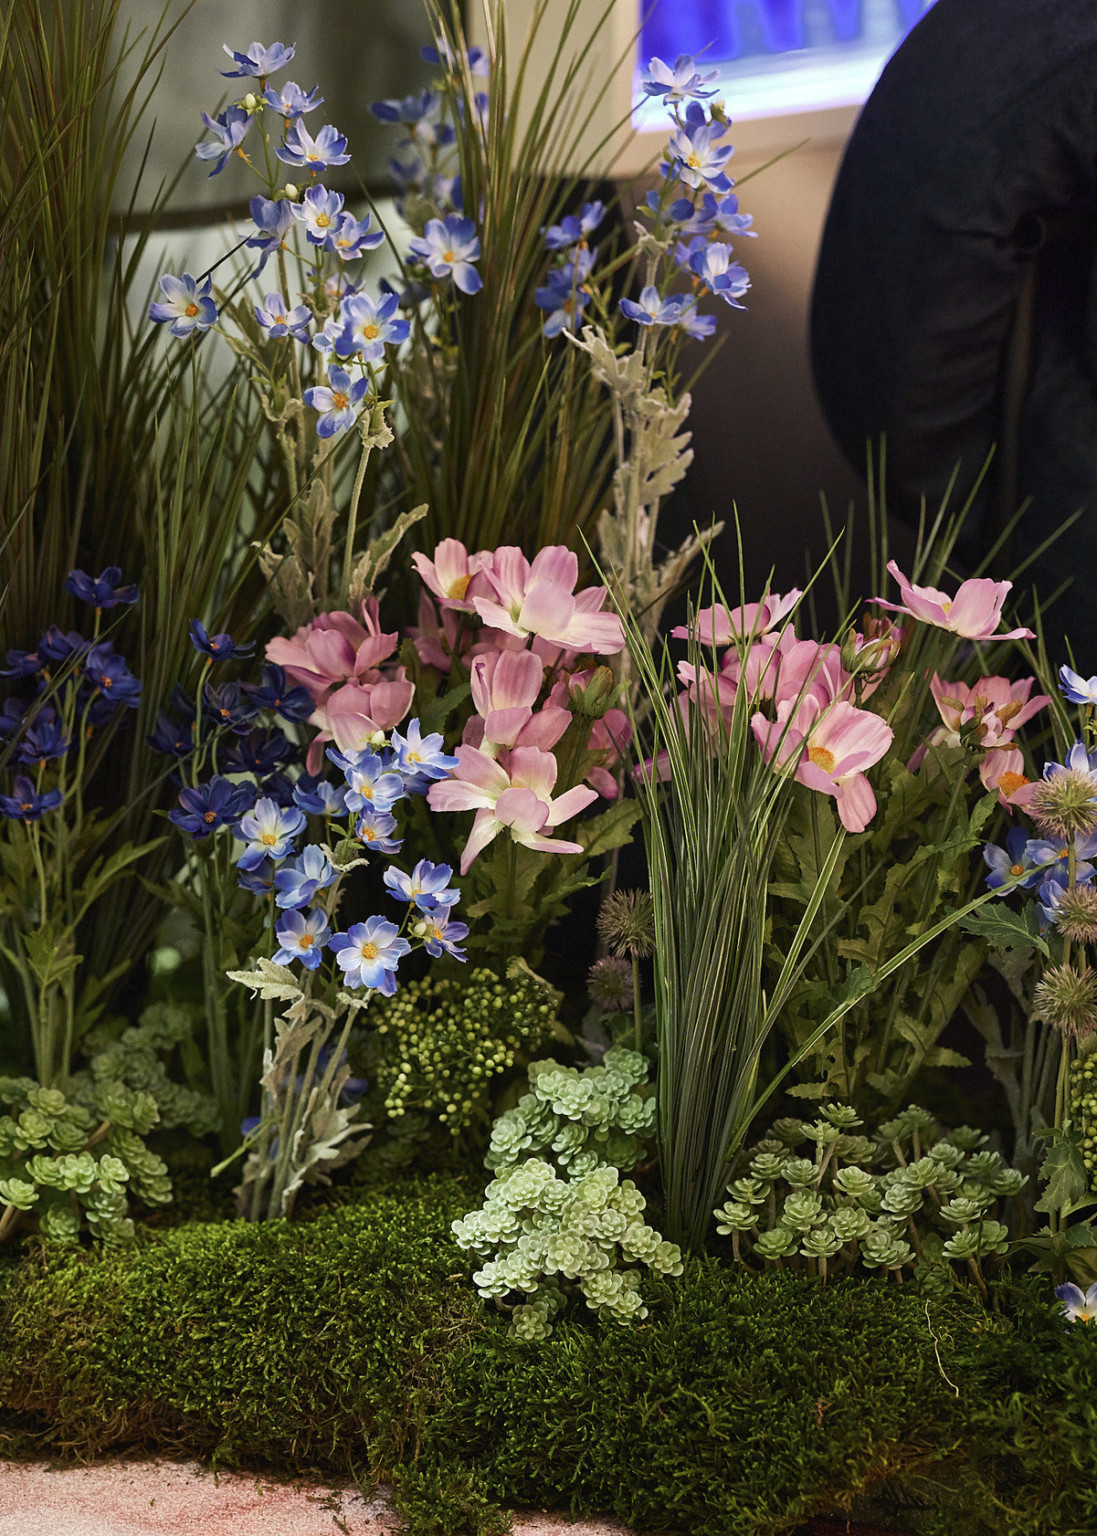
(1082, 1100)
(135, 1059)
(74, 1165)
(905, 1198)
(437, 1044)
(565, 1219)
(583, 1117)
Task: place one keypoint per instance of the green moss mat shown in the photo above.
(355, 1341)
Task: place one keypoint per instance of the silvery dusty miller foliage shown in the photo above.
(858, 1199)
(72, 1166)
(550, 1231)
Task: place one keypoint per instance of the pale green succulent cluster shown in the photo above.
(73, 1166)
(583, 1117)
(436, 1044)
(902, 1199)
(557, 1216)
(1082, 1103)
(136, 1060)
(547, 1231)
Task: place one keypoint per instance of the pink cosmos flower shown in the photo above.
(718, 626)
(514, 793)
(834, 748)
(436, 638)
(505, 686)
(540, 599)
(350, 716)
(995, 707)
(450, 575)
(975, 612)
(333, 649)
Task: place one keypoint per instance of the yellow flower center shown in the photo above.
(693, 162)
(342, 401)
(369, 951)
(210, 817)
(1016, 869)
(823, 758)
(322, 220)
(413, 757)
(306, 939)
(269, 839)
(191, 310)
(448, 256)
(371, 332)
(458, 587)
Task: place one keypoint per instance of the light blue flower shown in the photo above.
(335, 401)
(449, 246)
(369, 953)
(574, 227)
(278, 320)
(1078, 1306)
(372, 784)
(721, 276)
(298, 883)
(274, 219)
(189, 306)
(375, 828)
(352, 237)
(427, 887)
(229, 130)
(421, 757)
(697, 158)
(269, 830)
(291, 101)
(258, 62)
(677, 82)
(302, 938)
(369, 328)
(1016, 859)
(319, 212)
(1078, 689)
(441, 934)
(299, 148)
(654, 310)
(564, 298)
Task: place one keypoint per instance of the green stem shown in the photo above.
(637, 1017)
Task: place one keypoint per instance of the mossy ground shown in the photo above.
(353, 1341)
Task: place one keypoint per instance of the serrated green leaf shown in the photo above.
(1004, 928)
(1066, 1176)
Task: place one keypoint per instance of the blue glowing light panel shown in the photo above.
(782, 55)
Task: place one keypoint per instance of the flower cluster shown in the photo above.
(835, 1212)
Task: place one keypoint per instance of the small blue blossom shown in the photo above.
(1078, 1306)
(372, 785)
(108, 673)
(375, 828)
(22, 664)
(102, 591)
(696, 157)
(654, 310)
(697, 326)
(441, 935)
(1078, 689)
(574, 227)
(302, 938)
(258, 62)
(27, 804)
(269, 830)
(677, 82)
(335, 401)
(273, 217)
(292, 101)
(427, 887)
(58, 644)
(564, 298)
(421, 757)
(259, 752)
(229, 130)
(319, 212)
(188, 305)
(171, 739)
(278, 320)
(1012, 861)
(299, 882)
(352, 237)
(218, 647)
(368, 954)
(299, 148)
(228, 707)
(44, 739)
(259, 881)
(276, 693)
(721, 276)
(1054, 858)
(318, 797)
(217, 803)
(449, 246)
(370, 327)
(441, 53)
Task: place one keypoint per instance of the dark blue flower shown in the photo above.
(318, 797)
(44, 739)
(108, 673)
(259, 752)
(276, 693)
(259, 881)
(1017, 858)
(102, 591)
(218, 647)
(12, 714)
(217, 803)
(229, 707)
(58, 645)
(22, 664)
(174, 740)
(26, 804)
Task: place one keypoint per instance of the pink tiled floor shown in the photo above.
(166, 1498)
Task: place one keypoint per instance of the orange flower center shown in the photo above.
(369, 951)
(823, 758)
(191, 310)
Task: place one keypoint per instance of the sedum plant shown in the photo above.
(135, 1060)
(74, 1166)
(902, 1199)
(565, 1220)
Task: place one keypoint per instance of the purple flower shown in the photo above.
(269, 830)
(174, 740)
(273, 218)
(229, 130)
(574, 227)
(218, 803)
(1078, 689)
(298, 883)
(27, 804)
(110, 676)
(1078, 1306)
(319, 212)
(43, 739)
(259, 752)
(188, 305)
(22, 664)
(228, 707)
(299, 147)
(276, 693)
(278, 320)
(58, 645)
(102, 591)
(448, 246)
(292, 101)
(352, 237)
(427, 887)
(441, 934)
(371, 327)
(335, 401)
(259, 61)
(218, 647)
(677, 82)
(369, 953)
(302, 938)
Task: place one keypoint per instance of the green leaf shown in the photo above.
(381, 549)
(1066, 1175)
(1004, 928)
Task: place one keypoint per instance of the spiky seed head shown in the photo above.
(1065, 805)
(1066, 998)
(626, 923)
(1076, 915)
(609, 984)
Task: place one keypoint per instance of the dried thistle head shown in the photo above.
(609, 984)
(1066, 998)
(1064, 805)
(1076, 915)
(626, 924)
